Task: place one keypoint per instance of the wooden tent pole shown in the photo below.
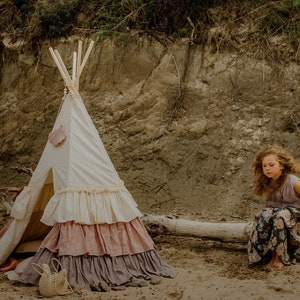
(78, 65)
(72, 83)
(61, 66)
(85, 58)
(57, 62)
(74, 67)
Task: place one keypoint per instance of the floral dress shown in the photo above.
(277, 228)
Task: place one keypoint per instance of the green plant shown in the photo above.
(296, 3)
(110, 15)
(279, 18)
(56, 17)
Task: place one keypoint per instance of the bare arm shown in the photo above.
(297, 187)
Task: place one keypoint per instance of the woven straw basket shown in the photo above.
(52, 283)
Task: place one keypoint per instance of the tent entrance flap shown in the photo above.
(36, 230)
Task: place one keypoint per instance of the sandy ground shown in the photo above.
(205, 270)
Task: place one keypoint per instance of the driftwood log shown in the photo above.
(225, 232)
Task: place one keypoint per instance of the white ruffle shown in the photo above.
(91, 206)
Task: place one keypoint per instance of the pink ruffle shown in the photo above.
(116, 239)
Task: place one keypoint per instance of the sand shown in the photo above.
(205, 270)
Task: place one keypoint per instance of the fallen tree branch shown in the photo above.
(226, 232)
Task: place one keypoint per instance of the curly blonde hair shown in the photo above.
(262, 184)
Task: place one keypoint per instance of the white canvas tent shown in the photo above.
(66, 174)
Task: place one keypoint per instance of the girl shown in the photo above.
(275, 237)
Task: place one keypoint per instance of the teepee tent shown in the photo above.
(77, 206)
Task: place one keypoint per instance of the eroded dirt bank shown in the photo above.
(180, 123)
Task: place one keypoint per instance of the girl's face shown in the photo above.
(271, 166)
